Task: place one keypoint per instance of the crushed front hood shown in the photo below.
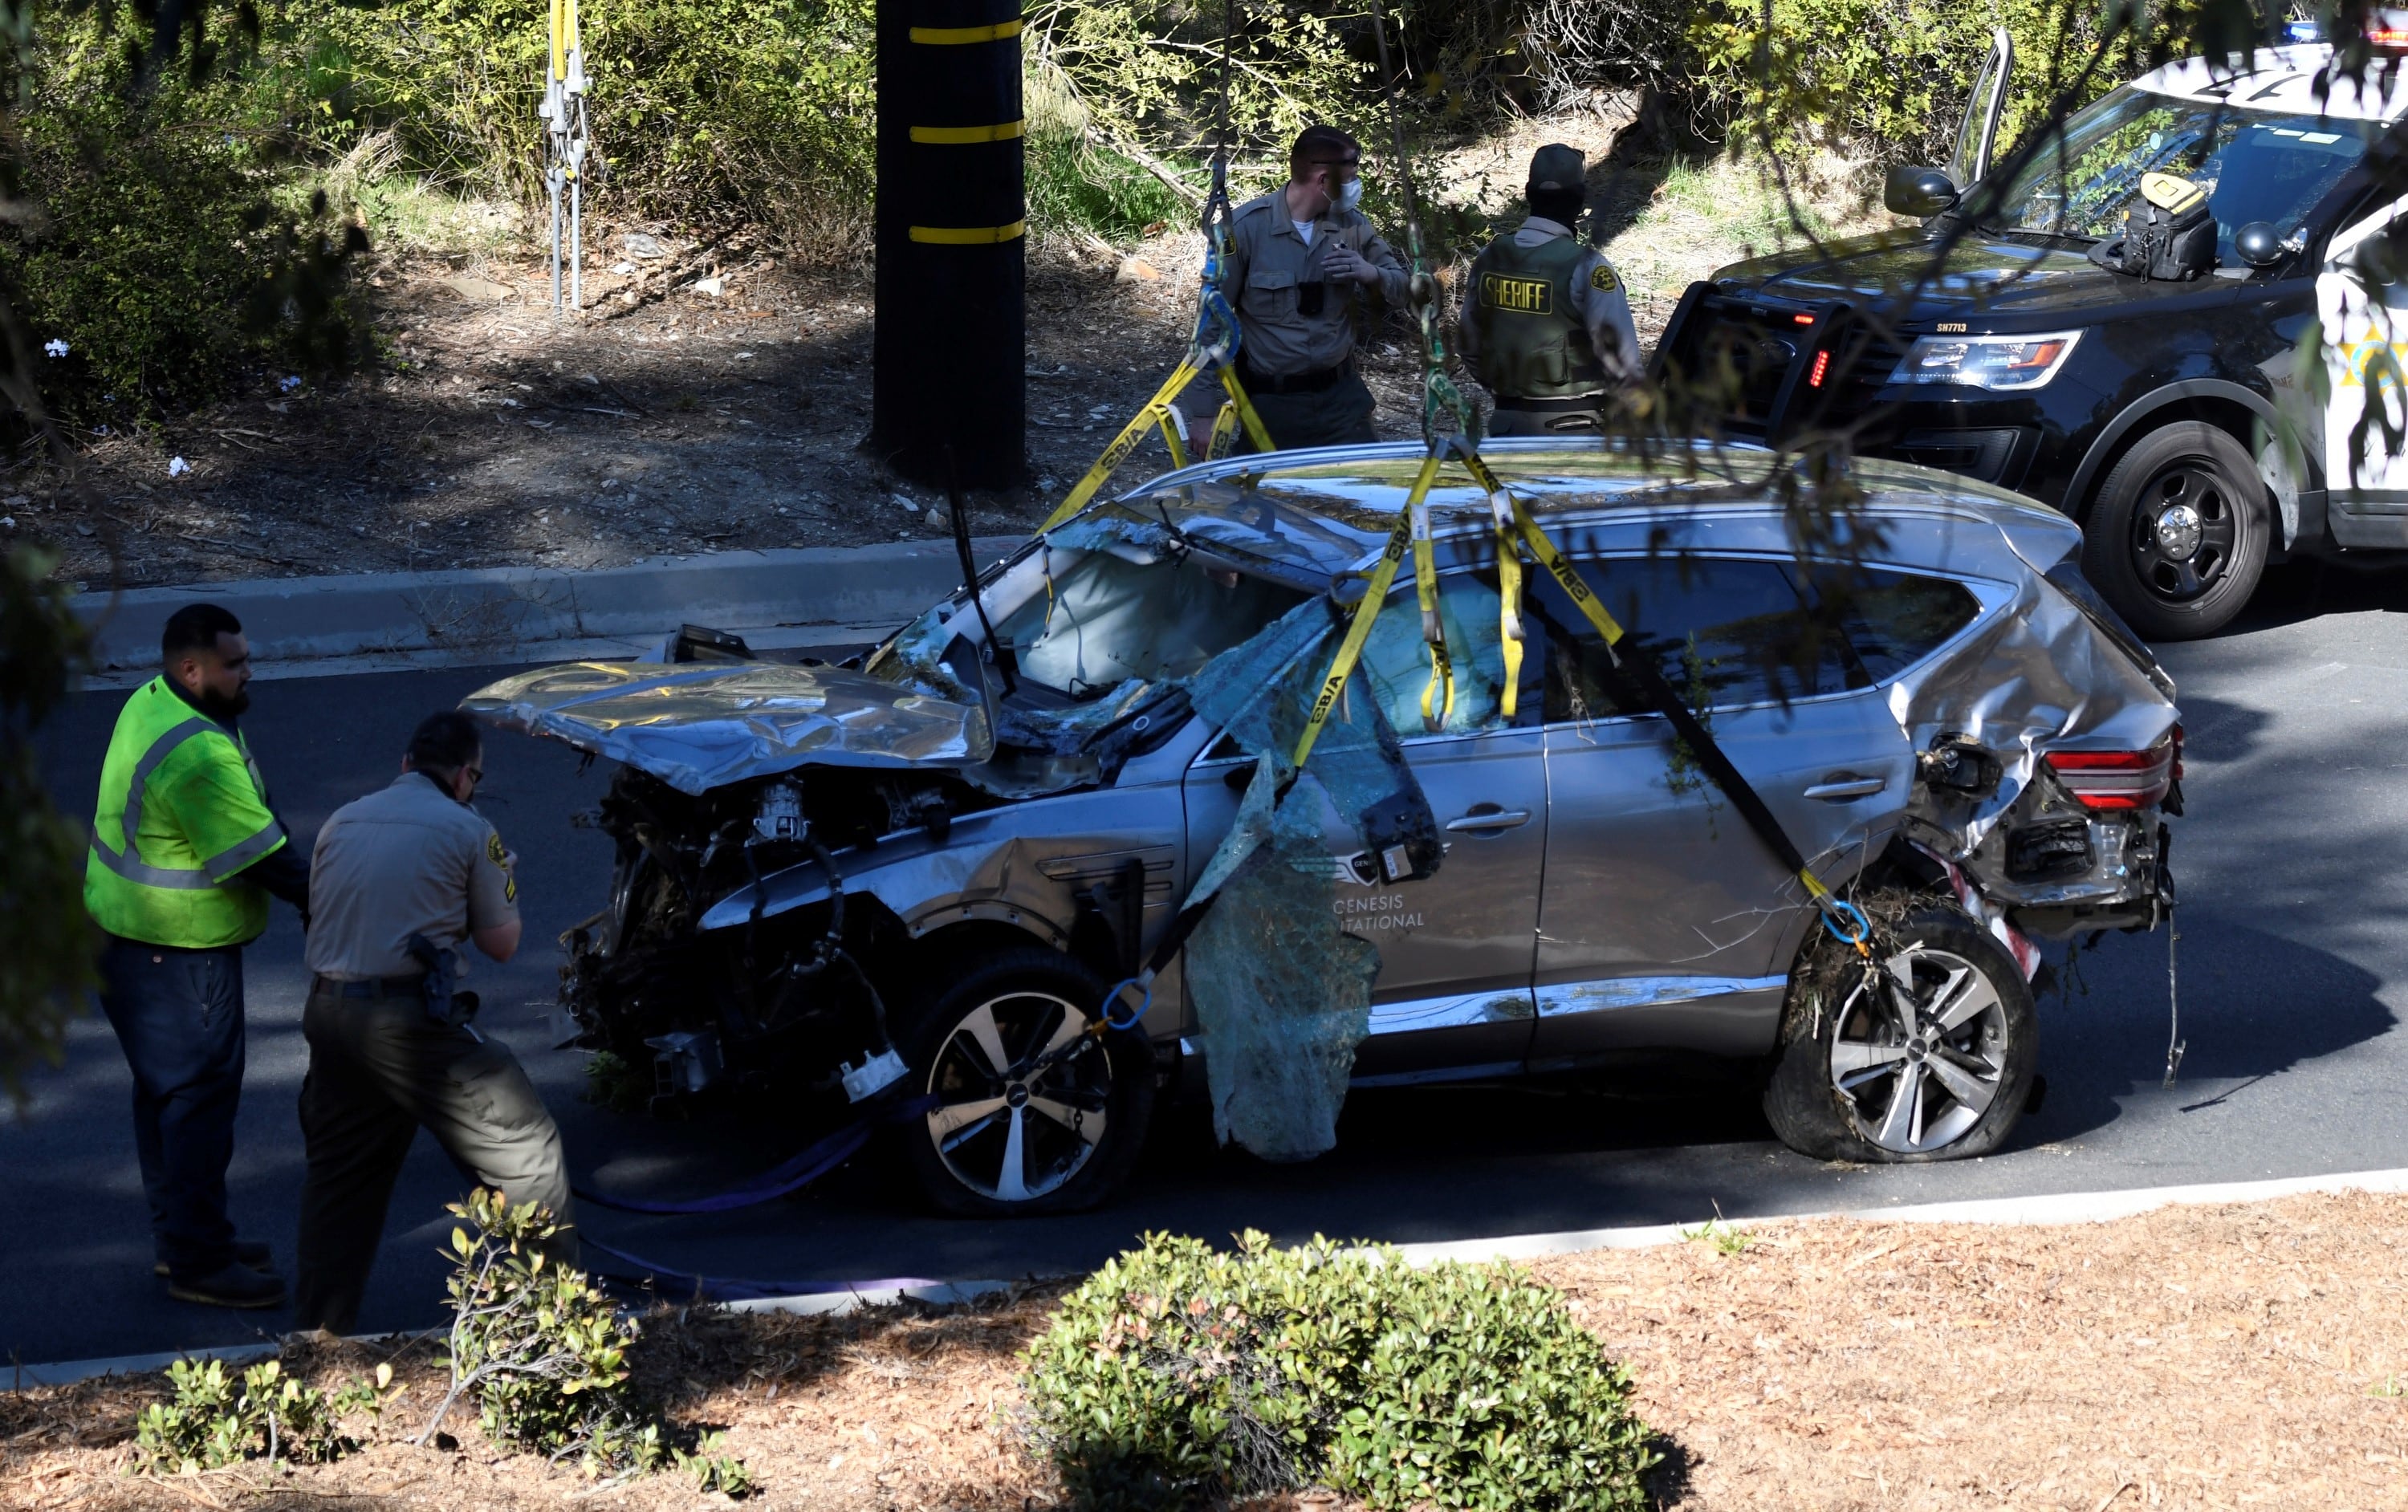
(699, 727)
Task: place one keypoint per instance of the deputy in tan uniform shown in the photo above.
(413, 860)
(1301, 259)
(1546, 322)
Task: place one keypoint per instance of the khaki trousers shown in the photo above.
(379, 1070)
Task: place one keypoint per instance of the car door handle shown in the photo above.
(1494, 818)
(1842, 787)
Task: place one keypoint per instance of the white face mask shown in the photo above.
(1350, 194)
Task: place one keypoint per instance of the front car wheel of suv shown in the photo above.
(1017, 1128)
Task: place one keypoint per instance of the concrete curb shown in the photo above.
(2036, 1212)
(67, 1371)
(2055, 1208)
(311, 626)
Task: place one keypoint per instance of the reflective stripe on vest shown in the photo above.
(127, 861)
(1531, 342)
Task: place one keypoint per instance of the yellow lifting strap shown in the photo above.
(1359, 630)
(564, 35)
(1158, 412)
(1515, 529)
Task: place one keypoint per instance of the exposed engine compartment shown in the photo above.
(780, 996)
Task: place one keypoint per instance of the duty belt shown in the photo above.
(377, 986)
(1312, 382)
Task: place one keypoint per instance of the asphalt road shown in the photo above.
(2294, 959)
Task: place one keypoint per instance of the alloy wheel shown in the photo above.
(1002, 1132)
(2184, 528)
(1920, 1050)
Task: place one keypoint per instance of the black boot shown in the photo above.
(233, 1286)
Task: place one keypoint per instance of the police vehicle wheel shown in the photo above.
(2177, 539)
(1933, 1063)
(1005, 1139)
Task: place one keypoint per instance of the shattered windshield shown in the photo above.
(2255, 165)
(1106, 616)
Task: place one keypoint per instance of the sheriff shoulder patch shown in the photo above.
(501, 858)
(1601, 276)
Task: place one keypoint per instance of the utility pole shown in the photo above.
(951, 332)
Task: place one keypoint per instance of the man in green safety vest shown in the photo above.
(185, 852)
(1546, 322)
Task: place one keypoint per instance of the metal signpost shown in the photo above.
(562, 113)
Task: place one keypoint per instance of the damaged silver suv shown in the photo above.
(919, 876)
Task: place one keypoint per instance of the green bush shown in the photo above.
(705, 111)
(1893, 76)
(155, 244)
(1094, 189)
(217, 1418)
(1179, 1374)
(544, 1355)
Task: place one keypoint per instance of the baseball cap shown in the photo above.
(1555, 167)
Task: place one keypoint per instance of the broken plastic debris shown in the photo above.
(715, 286)
(742, 356)
(874, 1075)
(643, 247)
(290, 383)
(55, 347)
(178, 467)
(623, 268)
(907, 504)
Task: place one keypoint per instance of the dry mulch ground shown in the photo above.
(2212, 1358)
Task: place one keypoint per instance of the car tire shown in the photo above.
(1837, 1087)
(2177, 537)
(995, 1146)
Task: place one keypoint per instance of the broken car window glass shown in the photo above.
(1102, 617)
(1396, 659)
(1724, 631)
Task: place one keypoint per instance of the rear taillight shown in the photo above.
(2119, 778)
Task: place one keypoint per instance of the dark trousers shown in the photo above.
(1508, 419)
(178, 1017)
(379, 1070)
(1340, 415)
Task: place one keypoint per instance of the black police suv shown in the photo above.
(2195, 402)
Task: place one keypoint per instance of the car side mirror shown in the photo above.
(2257, 244)
(1921, 193)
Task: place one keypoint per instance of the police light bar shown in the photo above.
(2387, 31)
(2302, 31)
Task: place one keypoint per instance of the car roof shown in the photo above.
(1310, 514)
(2294, 80)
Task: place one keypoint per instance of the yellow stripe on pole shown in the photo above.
(559, 42)
(953, 37)
(958, 136)
(970, 235)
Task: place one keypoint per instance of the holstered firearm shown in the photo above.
(445, 1007)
